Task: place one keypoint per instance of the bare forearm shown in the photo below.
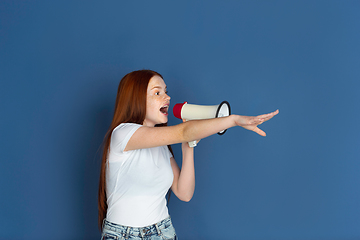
(199, 129)
(186, 182)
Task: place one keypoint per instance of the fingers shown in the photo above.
(263, 118)
(259, 131)
(268, 116)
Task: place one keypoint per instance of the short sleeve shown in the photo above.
(168, 153)
(121, 136)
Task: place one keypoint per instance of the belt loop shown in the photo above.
(127, 233)
(141, 233)
(157, 229)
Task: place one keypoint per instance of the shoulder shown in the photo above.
(126, 126)
(124, 131)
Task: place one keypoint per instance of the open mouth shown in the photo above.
(164, 110)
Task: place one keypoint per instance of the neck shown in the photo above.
(147, 124)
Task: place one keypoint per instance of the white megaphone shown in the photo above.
(196, 112)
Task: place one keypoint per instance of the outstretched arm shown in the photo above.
(146, 137)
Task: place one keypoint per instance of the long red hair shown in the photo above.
(130, 107)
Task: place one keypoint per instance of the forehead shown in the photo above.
(156, 81)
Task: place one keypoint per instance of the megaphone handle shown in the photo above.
(192, 144)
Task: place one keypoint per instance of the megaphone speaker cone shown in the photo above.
(193, 112)
(223, 111)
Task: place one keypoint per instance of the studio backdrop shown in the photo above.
(61, 63)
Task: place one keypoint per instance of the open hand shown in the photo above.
(251, 123)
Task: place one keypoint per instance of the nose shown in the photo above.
(167, 97)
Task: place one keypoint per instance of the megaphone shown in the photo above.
(197, 112)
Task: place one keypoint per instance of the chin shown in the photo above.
(162, 122)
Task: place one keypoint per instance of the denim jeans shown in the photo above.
(162, 230)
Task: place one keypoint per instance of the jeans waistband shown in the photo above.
(127, 231)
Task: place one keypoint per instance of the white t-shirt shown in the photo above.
(136, 181)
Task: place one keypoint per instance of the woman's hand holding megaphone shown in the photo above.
(192, 143)
(251, 123)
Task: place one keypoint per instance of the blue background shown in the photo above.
(60, 65)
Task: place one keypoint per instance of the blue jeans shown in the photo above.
(163, 230)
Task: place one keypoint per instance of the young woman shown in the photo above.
(138, 167)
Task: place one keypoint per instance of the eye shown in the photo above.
(157, 93)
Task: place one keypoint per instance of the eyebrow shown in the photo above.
(159, 87)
